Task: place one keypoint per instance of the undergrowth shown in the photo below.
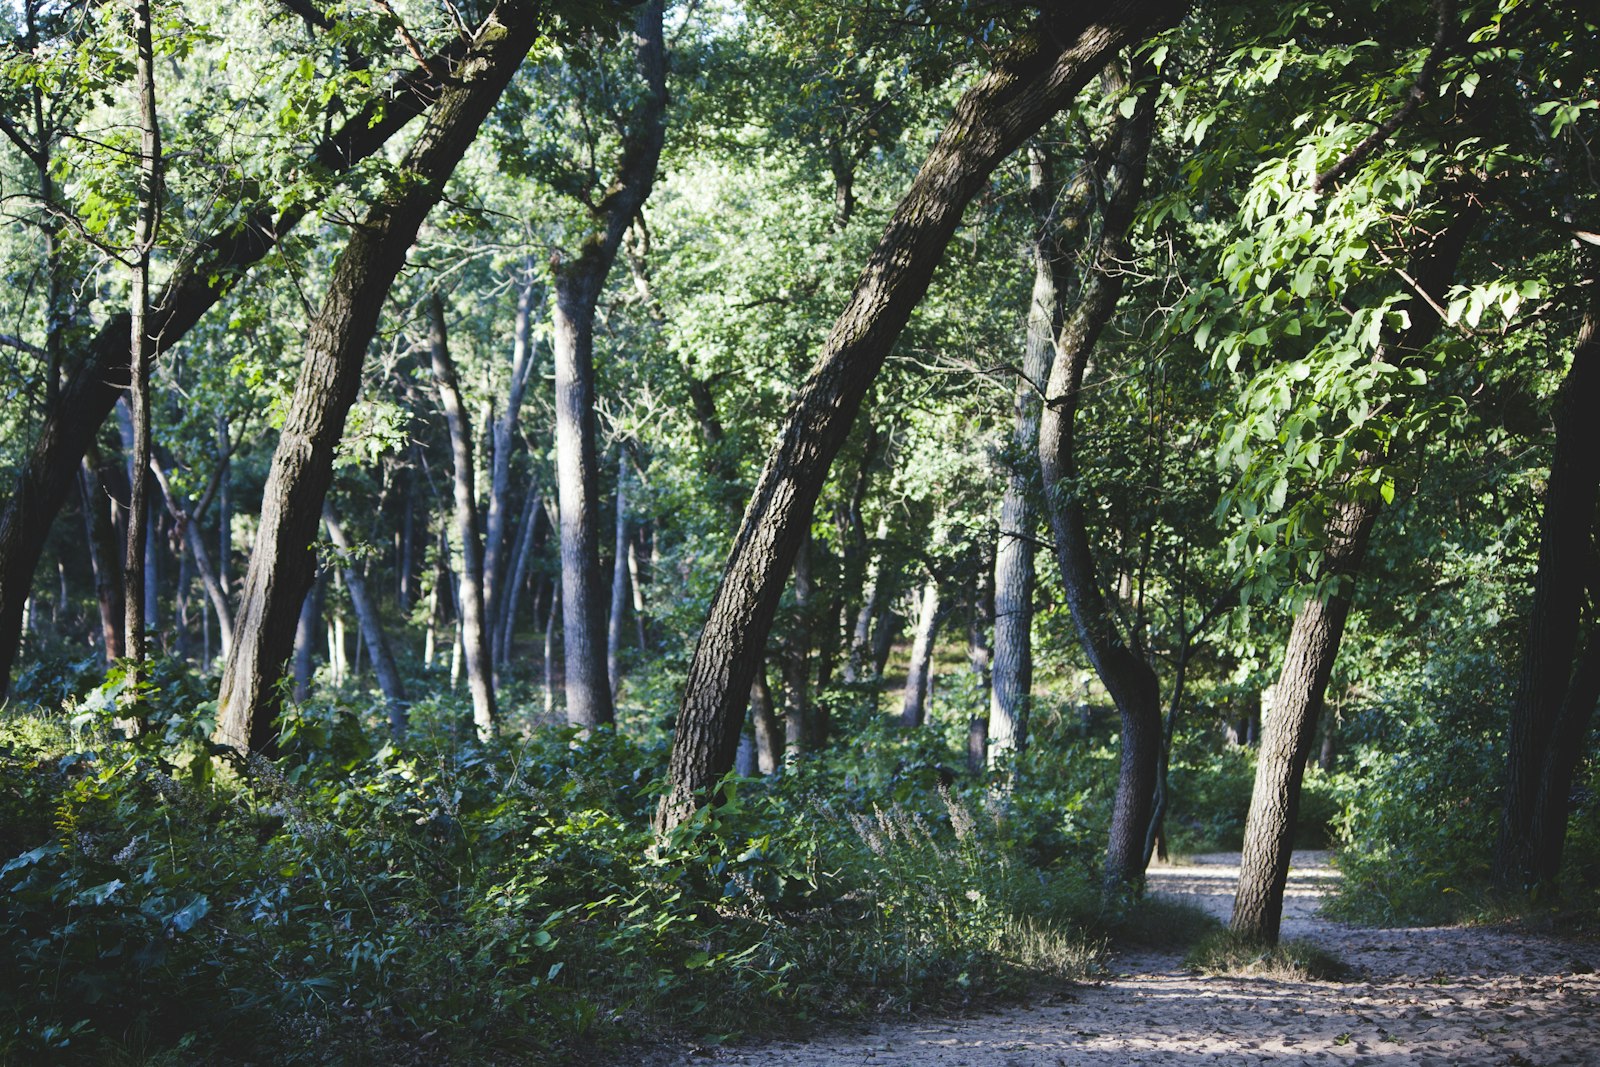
(1224, 952)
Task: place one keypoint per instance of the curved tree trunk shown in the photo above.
(394, 693)
(474, 619)
(919, 672)
(281, 564)
(1032, 79)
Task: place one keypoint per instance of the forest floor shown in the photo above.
(1421, 996)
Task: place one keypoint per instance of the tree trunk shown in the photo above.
(578, 285)
(101, 378)
(636, 583)
(769, 736)
(305, 641)
(474, 621)
(102, 538)
(861, 658)
(1548, 683)
(919, 673)
(209, 581)
(224, 505)
(1115, 656)
(1287, 732)
(532, 516)
(550, 617)
(619, 581)
(1032, 79)
(1290, 726)
(797, 658)
(281, 564)
(394, 694)
(505, 427)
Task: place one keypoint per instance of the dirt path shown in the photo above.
(1437, 996)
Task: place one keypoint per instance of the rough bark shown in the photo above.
(203, 277)
(1032, 79)
(1115, 656)
(383, 665)
(1287, 733)
(1538, 765)
(919, 672)
(578, 284)
(1291, 726)
(281, 564)
(474, 621)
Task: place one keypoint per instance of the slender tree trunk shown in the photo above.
(1287, 732)
(797, 658)
(281, 564)
(532, 516)
(383, 665)
(474, 623)
(1533, 815)
(769, 735)
(885, 631)
(197, 547)
(919, 673)
(1032, 79)
(1114, 655)
(102, 537)
(635, 582)
(550, 648)
(224, 505)
(578, 285)
(305, 641)
(860, 659)
(619, 581)
(505, 427)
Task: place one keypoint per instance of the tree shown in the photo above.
(1040, 72)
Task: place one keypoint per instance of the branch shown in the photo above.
(1414, 98)
(10, 341)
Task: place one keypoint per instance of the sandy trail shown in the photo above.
(1433, 996)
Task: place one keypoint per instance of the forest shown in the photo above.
(567, 531)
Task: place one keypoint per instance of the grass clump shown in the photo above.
(1154, 922)
(1224, 952)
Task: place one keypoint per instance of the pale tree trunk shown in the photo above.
(383, 665)
(281, 564)
(769, 734)
(619, 581)
(224, 503)
(505, 427)
(474, 625)
(1039, 73)
(532, 515)
(550, 617)
(187, 519)
(1556, 687)
(919, 672)
(1288, 731)
(797, 659)
(860, 660)
(636, 583)
(578, 285)
(1115, 655)
(305, 641)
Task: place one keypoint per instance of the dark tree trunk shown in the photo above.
(1032, 79)
(1114, 655)
(474, 620)
(302, 466)
(102, 373)
(189, 521)
(769, 735)
(578, 284)
(383, 665)
(1288, 731)
(102, 538)
(1543, 738)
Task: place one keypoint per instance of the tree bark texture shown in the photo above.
(383, 665)
(496, 565)
(474, 620)
(198, 281)
(1543, 738)
(302, 465)
(1031, 80)
(1288, 731)
(1117, 660)
(578, 284)
(919, 672)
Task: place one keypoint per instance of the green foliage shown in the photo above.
(1226, 953)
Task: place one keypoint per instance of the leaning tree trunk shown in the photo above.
(474, 621)
(769, 734)
(189, 521)
(1115, 656)
(1033, 78)
(1291, 725)
(201, 279)
(1533, 814)
(919, 672)
(1288, 731)
(302, 465)
(383, 665)
(506, 627)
